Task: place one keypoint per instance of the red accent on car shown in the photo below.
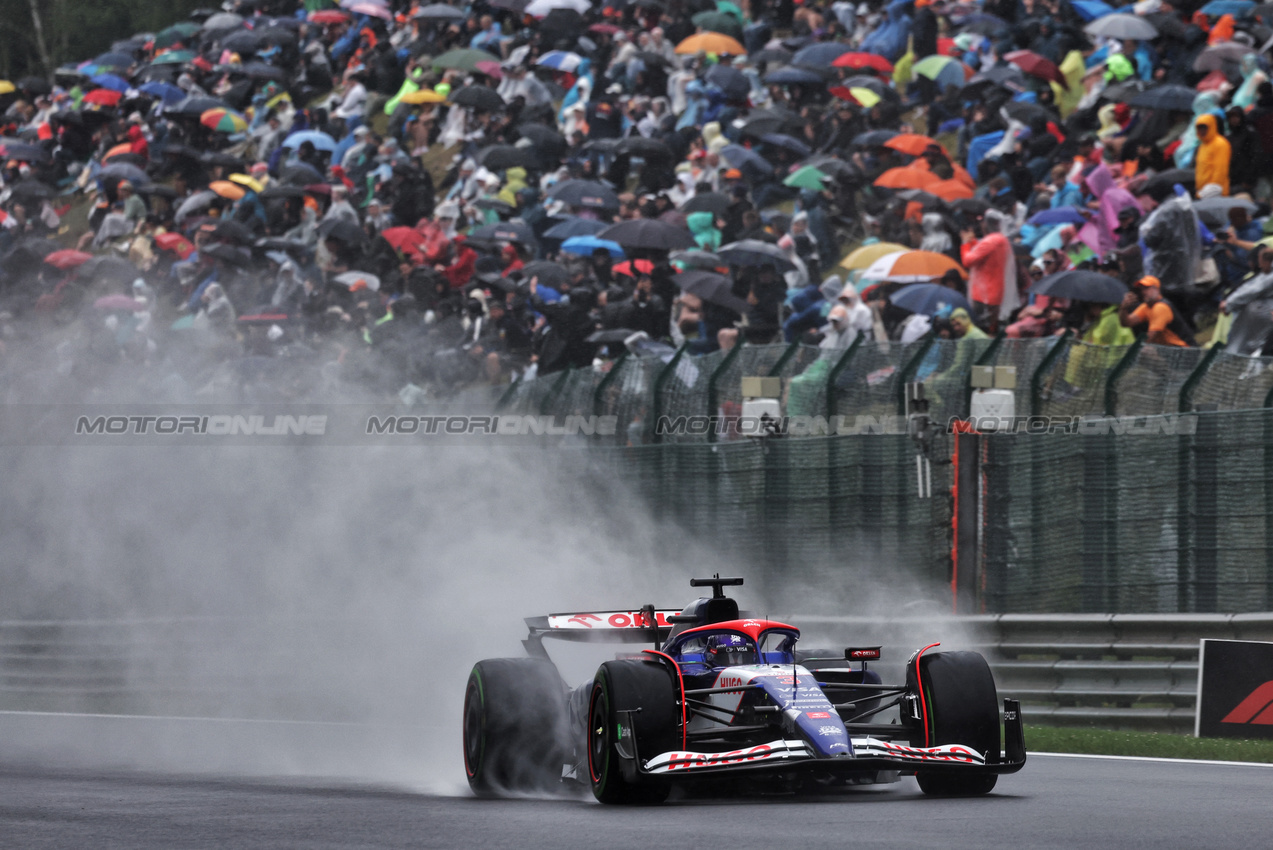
(919, 685)
(752, 628)
(680, 680)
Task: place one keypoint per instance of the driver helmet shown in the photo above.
(729, 651)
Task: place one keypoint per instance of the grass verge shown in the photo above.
(1051, 739)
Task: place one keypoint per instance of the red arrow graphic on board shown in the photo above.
(1256, 709)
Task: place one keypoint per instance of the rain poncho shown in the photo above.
(1204, 104)
(703, 226)
(1073, 69)
(1251, 305)
(889, 39)
(1170, 236)
(1099, 234)
(936, 238)
(1252, 76)
(1212, 156)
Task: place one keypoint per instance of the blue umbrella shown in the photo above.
(740, 157)
(1236, 8)
(112, 82)
(585, 245)
(821, 54)
(560, 60)
(928, 298)
(319, 139)
(166, 92)
(1060, 215)
(123, 60)
(572, 227)
(781, 140)
(1090, 10)
(794, 76)
(732, 82)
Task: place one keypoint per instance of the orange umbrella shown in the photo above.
(126, 147)
(907, 178)
(911, 143)
(950, 190)
(226, 189)
(711, 42)
(911, 267)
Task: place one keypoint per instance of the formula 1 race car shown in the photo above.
(723, 697)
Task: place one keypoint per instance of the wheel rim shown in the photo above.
(473, 737)
(598, 753)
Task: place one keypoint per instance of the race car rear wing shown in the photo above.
(644, 625)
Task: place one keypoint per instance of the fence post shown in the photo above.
(717, 373)
(1268, 500)
(834, 374)
(1111, 383)
(987, 357)
(776, 371)
(1045, 366)
(545, 406)
(605, 382)
(1186, 390)
(507, 396)
(909, 369)
(656, 403)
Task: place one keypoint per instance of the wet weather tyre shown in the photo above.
(619, 687)
(515, 733)
(960, 705)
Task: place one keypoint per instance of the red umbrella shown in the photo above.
(947, 47)
(490, 68)
(176, 243)
(67, 259)
(843, 93)
(408, 240)
(1037, 66)
(103, 97)
(863, 60)
(627, 267)
(329, 16)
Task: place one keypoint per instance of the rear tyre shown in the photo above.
(619, 687)
(962, 706)
(515, 734)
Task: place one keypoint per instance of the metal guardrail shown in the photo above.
(1114, 671)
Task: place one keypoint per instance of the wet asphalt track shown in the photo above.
(1054, 803)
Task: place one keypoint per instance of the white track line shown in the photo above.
(1151, 759)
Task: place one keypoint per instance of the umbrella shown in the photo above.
(407, 240)
(329, 16)
(1126, 90)
(478, 97)
(794, 76)
(1168, 24)
(258, 71)
(575, 226)
(500, 207)
(67, 259)
(1037, 66)
(549, 273)
(928, 299)
(374, 10)
(740, 157)
(926, 200)
(712, 287)
(1081, 285)
(223, 120)
(782, 140)
(861, 61)
(103, 97)
(633, 268)
(422, 96)
(229, 230)
(912, 144)
(176, 243)
(907, 177)
(440, 12)
(775, 55)
(543, 8)
(1216, 55)
(300, 174)
(118, 302)
(490, 68)
(712, 202)
(867, 254)
(942, 70)
(1122, 26)
(585, 193)
(1236, 8)
(874, 85)
(873, 138)
(223, 21)
(1215, 211)
(649, 234)
(110, 81)
(175, 34)
(279, 190)
(226, 189)
(342, 231)
(696, 258)
(242, 41)
(320, 140)
(462, 59)
(732, 82)
(231, 254)
(499, 157)
(546, 139)
(124, 171)
(953, 189)
(358, 280)
(35, 85)
(1091, 9)
(1060, 215)
(560, 60)
(114, 60)
(753, 252)
(506, 231)
(822, 54)
(23, 152)
(911, 267)
(174, 57)
(643, 147)
(195, 106)
(808, 177)
(1174, 97)
(247, 182)
(711, 42)
(166, 92)
(585, 245)
(610, 336)
(197, 202)
(719, 22)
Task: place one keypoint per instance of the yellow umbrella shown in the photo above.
(6, 87)
(227, 190)
(251, 182)
(423, 96)
(866, 97)
(867, 254)
(711, 42)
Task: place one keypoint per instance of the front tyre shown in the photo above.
(515, 735)
(616, 731)
(960, 705)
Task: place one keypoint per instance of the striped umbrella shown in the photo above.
(223, 120)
